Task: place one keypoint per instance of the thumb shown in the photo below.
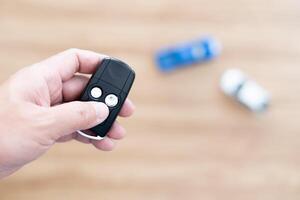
(74, 116)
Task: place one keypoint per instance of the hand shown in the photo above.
(38, 109)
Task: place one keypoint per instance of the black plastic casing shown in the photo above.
(112, 77)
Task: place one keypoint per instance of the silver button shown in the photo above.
(96, 92)
(111, 100)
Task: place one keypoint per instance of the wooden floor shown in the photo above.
(187, 140)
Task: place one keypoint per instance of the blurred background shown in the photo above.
(187, 140)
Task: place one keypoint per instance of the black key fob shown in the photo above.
(110, 84)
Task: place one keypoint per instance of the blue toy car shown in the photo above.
(178, 56)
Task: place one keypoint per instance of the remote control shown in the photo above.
(110, 84)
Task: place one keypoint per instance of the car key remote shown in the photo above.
(110, 84)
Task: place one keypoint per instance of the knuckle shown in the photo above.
(72, 51)
(85, 114)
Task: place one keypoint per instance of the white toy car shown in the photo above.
(237, 85)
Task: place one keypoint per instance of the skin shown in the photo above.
(38, 108)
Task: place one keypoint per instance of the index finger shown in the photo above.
(68, 62)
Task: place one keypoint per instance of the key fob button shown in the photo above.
(111, 100)
(96, 92)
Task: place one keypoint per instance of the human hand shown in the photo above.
(38, 109)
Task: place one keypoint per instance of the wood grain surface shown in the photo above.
(186, 140)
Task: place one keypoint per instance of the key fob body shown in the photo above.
(110, 84)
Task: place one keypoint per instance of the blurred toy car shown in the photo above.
(178, 56)
(235, 84)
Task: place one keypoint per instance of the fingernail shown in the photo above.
(101, 111)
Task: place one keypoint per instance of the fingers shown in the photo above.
(127, 109)
(74, 87)
(81, 138)
(71, 61)
(117, 132)
(106, 144)
(73, 116)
